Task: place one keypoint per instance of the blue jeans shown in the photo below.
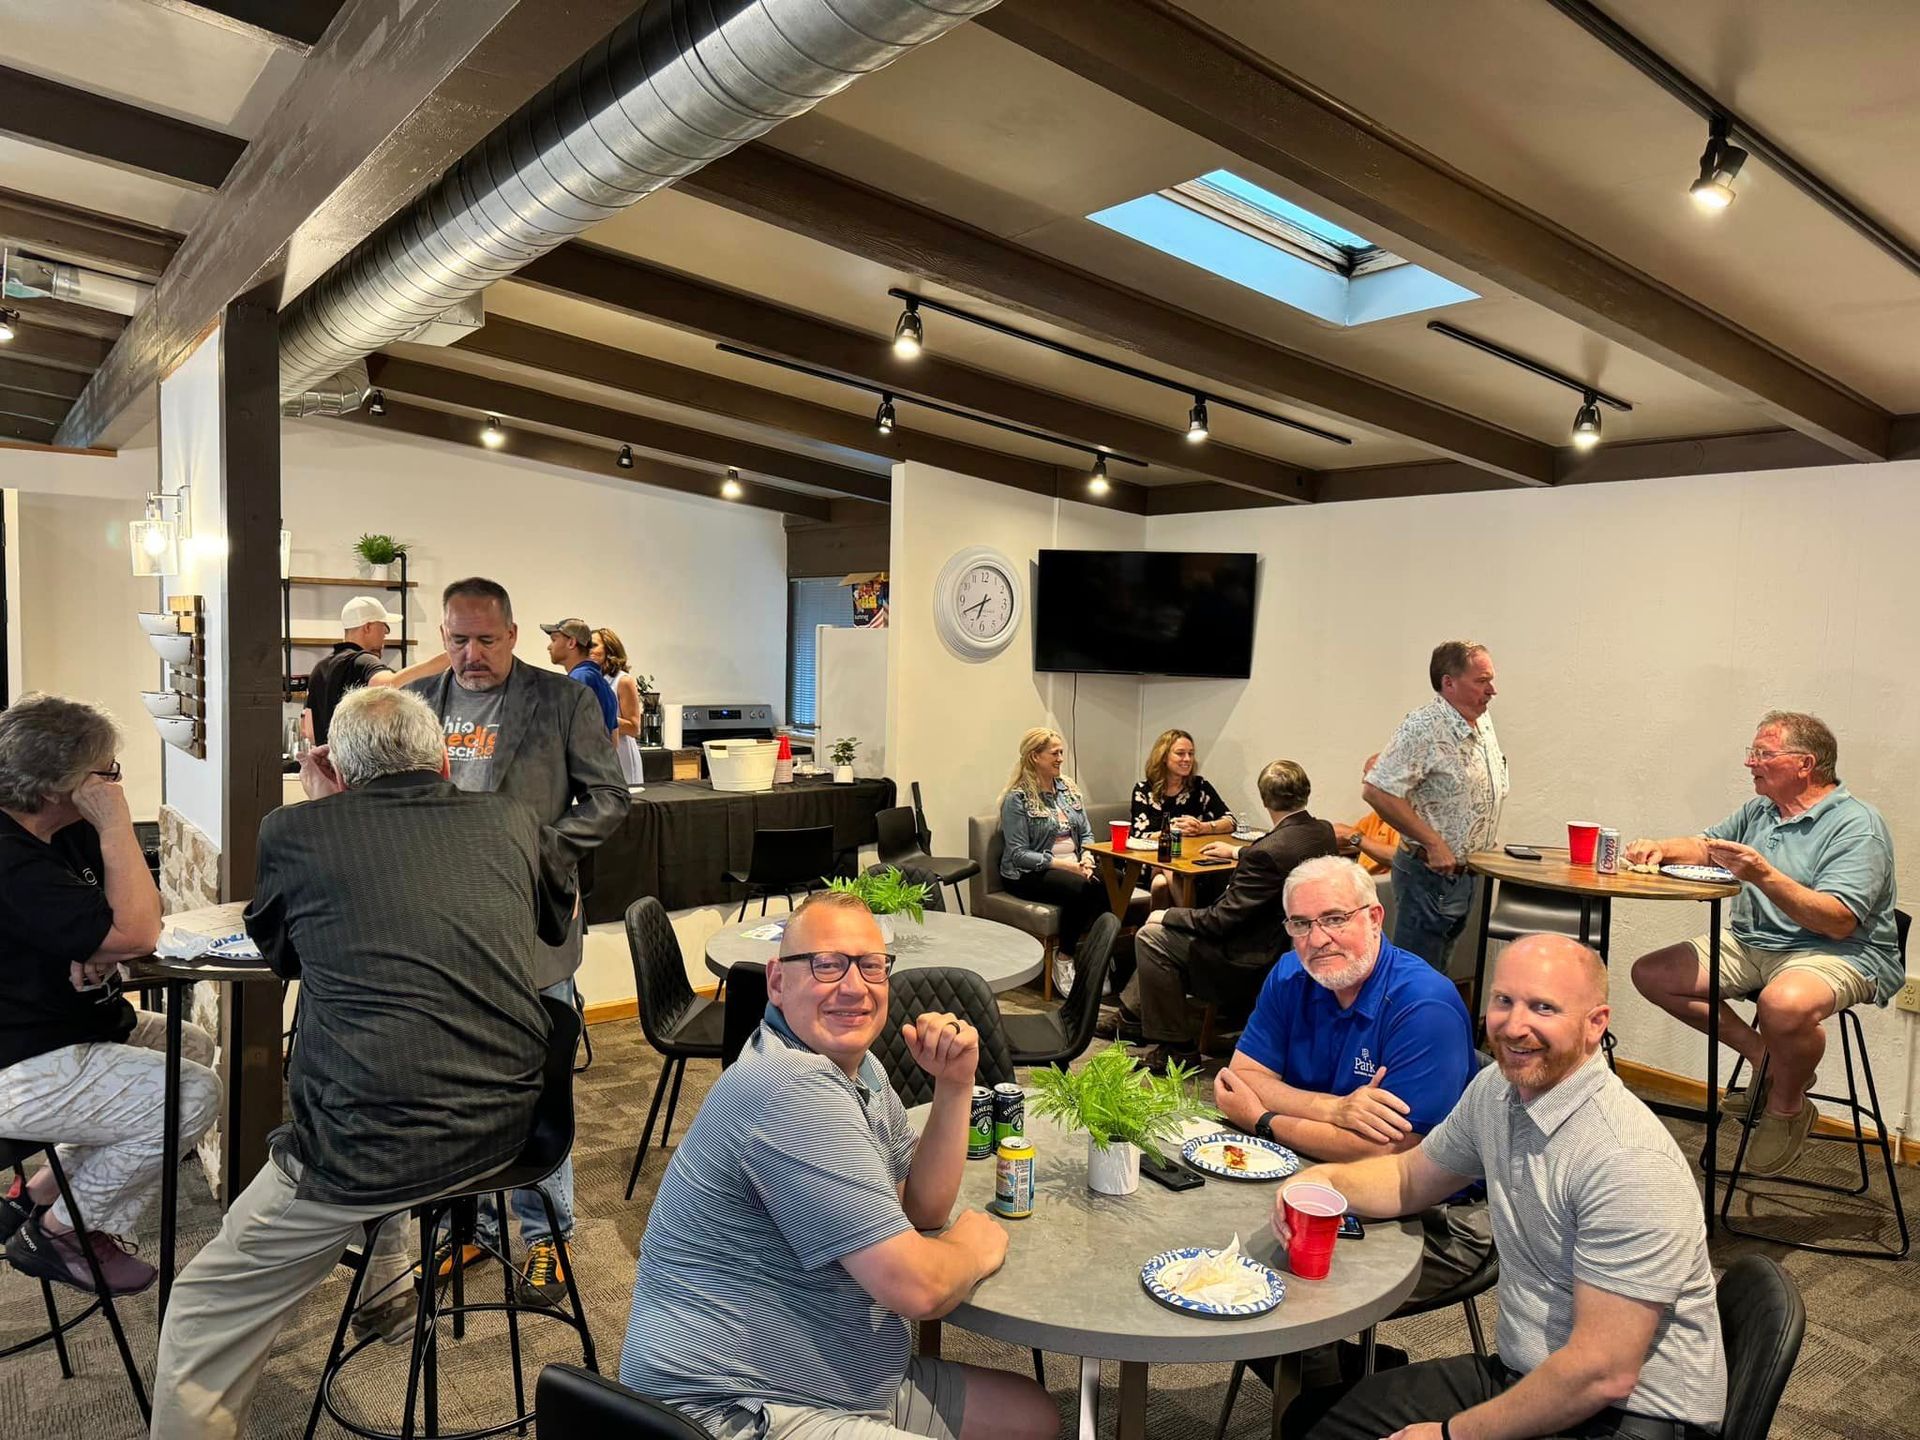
(1429, 909)
(525, 1204)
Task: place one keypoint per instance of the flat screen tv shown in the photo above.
(1145, 612)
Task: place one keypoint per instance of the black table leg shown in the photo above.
(1711, 1154)
(1480, 948)
(177, 991)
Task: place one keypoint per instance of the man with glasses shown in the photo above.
(785, 1251)
(1813, 926)
(1357, 1048)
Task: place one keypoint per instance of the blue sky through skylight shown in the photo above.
(1251, 193)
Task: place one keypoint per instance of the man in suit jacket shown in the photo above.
(422, 1039)
(1223, 951)
(515, 729)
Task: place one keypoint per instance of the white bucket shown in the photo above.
(741, 764)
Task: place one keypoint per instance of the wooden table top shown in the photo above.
(1185, 865)
(1553, 872)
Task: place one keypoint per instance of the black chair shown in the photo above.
(547, 1147)
(900, 833)
(783, 862)
(14, 1155)
(586, 1040)
(1060, 1036)
(572, 1401)
(941, 987)
(1853, 1041)
(680, 1025)
(746, 1006)
(1762, 1321)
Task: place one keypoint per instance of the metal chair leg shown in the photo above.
(100, 1285)
(646, 1134)
(1040, 1369)
(1473, 1328)
(1233, 1393)
(679, 1074)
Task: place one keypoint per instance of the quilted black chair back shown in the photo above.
(791, 859)
(916, 875)
(659, 972)
(746, 1007)
(960, 992)
(572, 1401)
(896, 834)
(1762, 1321)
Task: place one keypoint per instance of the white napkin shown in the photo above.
(1216, 1278)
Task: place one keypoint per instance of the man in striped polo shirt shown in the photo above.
(1607, 1318)
(783, 1256)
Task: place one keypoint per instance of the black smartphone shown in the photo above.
(1522, 852)
(1351, 1228)
(1171, 1173)
(1210, 860)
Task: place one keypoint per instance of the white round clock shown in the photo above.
(977, 602)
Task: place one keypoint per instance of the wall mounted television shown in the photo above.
(1145, 612)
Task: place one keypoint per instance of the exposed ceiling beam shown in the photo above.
(49, 346)
(1172, 64)
(289, 24)
(758, 181)
(484, 395)
(25, 405)
(592, 459)
(66, 232)
(667, 298)
(36, 432)
(71, 319)
(79, 122)
(42, 379)
(388, 99)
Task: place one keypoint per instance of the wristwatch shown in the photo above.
(1263, 1126)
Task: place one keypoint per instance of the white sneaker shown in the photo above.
(1062, 974)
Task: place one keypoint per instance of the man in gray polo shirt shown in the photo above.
(1607, 1318)
(783, 1255)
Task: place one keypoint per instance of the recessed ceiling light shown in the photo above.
(494, 436)
(909, 335)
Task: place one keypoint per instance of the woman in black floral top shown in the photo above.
(1175, 793)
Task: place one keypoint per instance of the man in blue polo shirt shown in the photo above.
(568, 645)
(1357, 1048)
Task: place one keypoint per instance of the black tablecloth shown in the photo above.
(680, 838)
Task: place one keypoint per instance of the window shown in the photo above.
(810, 603)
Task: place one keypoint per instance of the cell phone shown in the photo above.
(1171, 1174)
(1522, 852)
(1351, 1228)
(1208, 860)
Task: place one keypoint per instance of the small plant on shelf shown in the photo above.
(843, 750)
(379, 549)
(887, 892)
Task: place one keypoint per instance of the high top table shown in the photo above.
(1555, 871)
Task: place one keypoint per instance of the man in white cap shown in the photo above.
(356, 661)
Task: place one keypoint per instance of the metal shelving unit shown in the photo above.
(289, 642)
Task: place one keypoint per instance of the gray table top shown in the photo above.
(1001, 955)
(1071, 1283)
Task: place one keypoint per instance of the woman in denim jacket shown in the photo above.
(1043, 821)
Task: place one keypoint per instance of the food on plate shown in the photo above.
(1236, 1156)
(1217, 1277)
(1240, 1159)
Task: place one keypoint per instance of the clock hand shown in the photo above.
(975, 610)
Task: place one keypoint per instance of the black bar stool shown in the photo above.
(15, 1154)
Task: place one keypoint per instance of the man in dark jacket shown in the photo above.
(422, 1039)
(1222, 952)
(514, 729)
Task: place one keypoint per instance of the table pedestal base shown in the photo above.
(1130, 1420)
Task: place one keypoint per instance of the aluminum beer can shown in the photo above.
(980, 1125)
(1606, 852)
(1013, 1178)
(1176, 846)
(1009, 1112)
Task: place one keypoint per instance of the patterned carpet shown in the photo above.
(1858, 1374)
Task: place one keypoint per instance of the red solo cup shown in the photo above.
(1120, 832)
(1313, 1217)
(1582, 836)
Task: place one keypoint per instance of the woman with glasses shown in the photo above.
(79, 1064)
(1044, 827)
(1176, 796)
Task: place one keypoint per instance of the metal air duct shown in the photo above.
(679, 84)
(341, 393)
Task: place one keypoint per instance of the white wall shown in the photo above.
(1638, 630)
(851, 671)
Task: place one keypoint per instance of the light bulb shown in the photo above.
(909, 335)
(156, 540)
(1197, 420)
(8, 319)
(1586, 424)
(730, 488)
(1097, 481)
(493, 437)
(883, 418)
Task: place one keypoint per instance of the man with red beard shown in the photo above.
(1607, 1318)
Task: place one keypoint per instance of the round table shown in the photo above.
(1071, 1282)
(999, 954)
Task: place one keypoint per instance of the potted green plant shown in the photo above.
(1123, 1108)
(842, 756)
(377, 552)
(887, 893)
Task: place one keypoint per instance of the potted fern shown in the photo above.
(1123, 1108)
(842, 755)
(376, 553)
(887, 893)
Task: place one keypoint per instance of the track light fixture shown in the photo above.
(625, 458)
(1586, 423)
(1586, 420)
(8, 320)
(1097, 481)
(495, 435)
(883, 418)
(909, 335)
(1197, 420)
(1719, 166)
(731, 488)
(377, 403)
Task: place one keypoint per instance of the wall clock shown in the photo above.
(977, 602)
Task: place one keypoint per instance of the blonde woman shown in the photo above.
(611, 656)
(1043, 822)
(1175, 795)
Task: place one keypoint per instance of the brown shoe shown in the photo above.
(38, 1252)
(1738, 1104)
(1778, 1139)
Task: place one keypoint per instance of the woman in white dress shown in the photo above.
(611, 656)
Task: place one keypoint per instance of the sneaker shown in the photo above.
(1738, 1104)
(1114, 1023)
(35, 1251)
(1062, 974)
(15, 1209)
(391, 1319)
(543, 1280)
(1779, 1139)
(470, 1256)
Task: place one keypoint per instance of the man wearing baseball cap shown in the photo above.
(356, 661)
(568, 644)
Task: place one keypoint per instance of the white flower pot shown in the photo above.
(1114, 1170)
(843, 774)
(372, 571)
(885, 922)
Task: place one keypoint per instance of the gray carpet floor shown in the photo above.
(1858, 1375)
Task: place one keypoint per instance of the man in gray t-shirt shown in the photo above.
(1607, 1317)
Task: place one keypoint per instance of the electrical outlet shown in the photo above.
(1907, 997)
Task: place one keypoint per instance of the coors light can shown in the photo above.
(1606, 853)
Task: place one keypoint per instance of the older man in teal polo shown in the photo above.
(1813, 925)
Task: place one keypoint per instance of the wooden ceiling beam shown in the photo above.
(78, 122)
(48, 346)
(790, 195)
(41, 379)
(293, 25)
(456, 429)
(71, 319)
(34, 432)
(665, 297)
(25, 405)
(65, 232)
(1170, 63)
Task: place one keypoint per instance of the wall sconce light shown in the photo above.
(155, 541)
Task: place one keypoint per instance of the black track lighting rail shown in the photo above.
(901, 397)
(1117, 367)
(1527, 362)
(1657, 68)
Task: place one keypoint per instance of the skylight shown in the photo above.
(1249, 235)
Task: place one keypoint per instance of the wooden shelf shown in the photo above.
(328, 642)
(352, 584)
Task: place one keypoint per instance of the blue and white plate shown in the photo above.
(1276, 1286)
(1263, 1160)
(1704, 874)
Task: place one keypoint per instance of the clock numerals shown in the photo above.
(985, 602)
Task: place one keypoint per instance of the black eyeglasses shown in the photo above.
(830, 966)
(110, 775)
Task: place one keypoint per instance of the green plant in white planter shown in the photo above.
(377, 552)
(1123, 1108)
(842, 755)
(887, 893)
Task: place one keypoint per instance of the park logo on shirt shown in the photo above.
(468, 741)
(1363, 1064)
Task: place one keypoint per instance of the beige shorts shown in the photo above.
(931, 1403)
(1745, 970)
